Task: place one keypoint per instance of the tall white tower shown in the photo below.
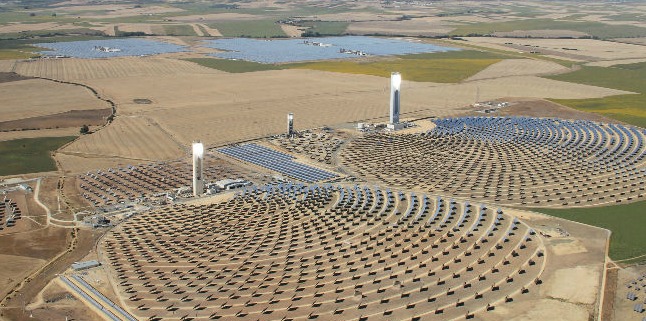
(290, 125)
(395, 83)
(198, 159)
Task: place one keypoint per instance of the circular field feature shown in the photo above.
(292, 251)
(524, 161)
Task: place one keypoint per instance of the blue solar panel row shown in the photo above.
(277, 161)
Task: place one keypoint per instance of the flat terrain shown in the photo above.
(519, 67)
(85, 69)
(625, 221)
(128, 137)
(574, 49)
(19, 99)
(35, 247)
(225, 108)
(69, 119)
(29, 155)
(164, 102)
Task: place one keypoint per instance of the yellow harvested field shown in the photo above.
(415, 27)
(38, 97)
(292, 31)
(136, 27)
(224, 108)
(70, 163)
(636, 41)
(355, 16)
(536, 87)
(117, 11)
(54, 132)
(610, 63)
(127, 137)
(212, 31)
(519, 67)
(595, 49)
(541, 33)
(82, 69)
(22, 27)
(230, 16)
(7, 65)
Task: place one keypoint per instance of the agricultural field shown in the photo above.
(425, 27)
(164, 102)
(421, 70)
(29, 155)
(519, 67)
(590, 28)
(325, 28)
(625, 221)
(571, 49)
(127, 137)
(627, 108)
(249, 29)
(234, 66)
(20, 101)
(84, 69)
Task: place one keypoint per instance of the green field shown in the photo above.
(234, 66)
(459, 54)
(179, 30)
(15, 54)
(249, 29)
(628, 108)
(422, 67)
(627, 223)
(325, 28)
(442, 67)
(595, 29)
(29, 155)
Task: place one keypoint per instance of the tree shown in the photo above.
(84, 129)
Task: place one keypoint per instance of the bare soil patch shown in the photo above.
(56, 303)
(545, 108)
(15, 271)
(30, 290)
(610, 291)
(72, 118)
(22, 253)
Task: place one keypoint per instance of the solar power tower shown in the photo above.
(198, 161)
(290, 125)
(395, 83)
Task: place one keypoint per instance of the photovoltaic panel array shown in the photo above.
(277, 161)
